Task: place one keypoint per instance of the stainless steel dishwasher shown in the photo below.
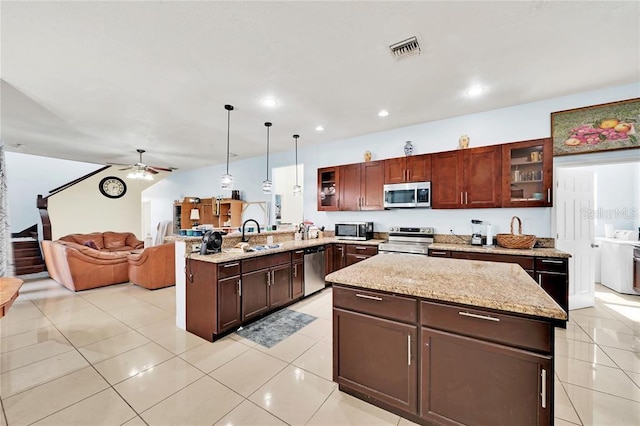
(313, 269)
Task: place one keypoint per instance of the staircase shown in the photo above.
(27, 258)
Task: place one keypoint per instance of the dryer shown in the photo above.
(616, 261)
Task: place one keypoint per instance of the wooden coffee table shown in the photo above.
(9, 290)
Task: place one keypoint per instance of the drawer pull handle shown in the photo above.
(408, 349)
(557, 262)
(439, 253)
(299, 251)
(230, 265)
(364, 296)
(484, 317)
(360, 248)
(360, 256)
(239, 288)
(544, 388)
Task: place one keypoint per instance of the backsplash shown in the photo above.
(466, 239)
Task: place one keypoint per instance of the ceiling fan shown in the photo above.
(141, 168)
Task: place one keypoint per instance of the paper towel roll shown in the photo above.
(489, 236)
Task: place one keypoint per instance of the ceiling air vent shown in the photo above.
(405, 48)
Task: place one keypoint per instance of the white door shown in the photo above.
(574, 202)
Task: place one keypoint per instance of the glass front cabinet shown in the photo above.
(328, 188)
(527, 169)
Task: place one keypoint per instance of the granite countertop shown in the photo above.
(284, 246)
(535, 252)
(495, 285)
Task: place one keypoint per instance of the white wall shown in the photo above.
(616, 196)
(527, 121)
(284, 179)
(30, 175)
(83, 209)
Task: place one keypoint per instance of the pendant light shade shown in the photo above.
(297, 189)
(266, 184)
(226, 180)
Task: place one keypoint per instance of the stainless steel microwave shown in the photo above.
(354, 231)
(407, 195)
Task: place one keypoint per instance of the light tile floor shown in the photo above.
(114, 356)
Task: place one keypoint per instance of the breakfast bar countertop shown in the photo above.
(494, 285)
(230, 255)
(535, 252)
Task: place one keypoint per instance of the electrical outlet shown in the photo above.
(195, 248)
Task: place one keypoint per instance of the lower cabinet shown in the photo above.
(435, 362)
(297, 279)
(469, 381)
(255, 297)
(229, 308)
(376, 356)
(266, 284)
(280, 286)
(339, 256)
(356, 253)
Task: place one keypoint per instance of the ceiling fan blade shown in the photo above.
(150, 170)
(125, 168)
(162, 169)
(117, 164)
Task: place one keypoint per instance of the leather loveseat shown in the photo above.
(74, 264)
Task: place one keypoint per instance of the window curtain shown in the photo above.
(6, 255)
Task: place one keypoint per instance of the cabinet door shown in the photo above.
(469, 381)
(201, 298)
(527, 173)
(395, 170)
(372, 186)
(355, 258)
(229, 307)
(419, 168)
(556, 285)
(482, 177)
(255, 293)
(349, 187)
(328, 189)
(280, 286)
(446, 180)
(377, 357)
(339, 253)
(328, 259)
(297, 279)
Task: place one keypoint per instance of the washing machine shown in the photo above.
(616, 261)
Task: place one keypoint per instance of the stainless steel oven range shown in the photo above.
(408, 240)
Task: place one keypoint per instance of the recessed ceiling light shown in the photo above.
(383, 113)
(319, 129)
(270, 102)
(475, 90)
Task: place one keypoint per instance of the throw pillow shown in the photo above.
(91, 244)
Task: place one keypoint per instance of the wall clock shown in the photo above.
(112, 187)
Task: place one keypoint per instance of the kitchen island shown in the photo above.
(445, 341)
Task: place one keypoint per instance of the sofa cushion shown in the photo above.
(91, 244)
(96, 237)
(114, 240)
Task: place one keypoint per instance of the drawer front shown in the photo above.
(229, 269)
(500, 328)
(297, 254)
(383, 305)
(362, 250)
(524, 261)
(263, 262)
(550, 264)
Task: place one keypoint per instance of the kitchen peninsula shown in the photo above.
(445, 341)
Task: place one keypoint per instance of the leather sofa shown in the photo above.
(79, 267)
(154, 267)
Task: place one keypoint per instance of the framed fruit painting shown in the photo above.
(604, 127)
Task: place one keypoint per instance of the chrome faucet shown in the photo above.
(246, 240)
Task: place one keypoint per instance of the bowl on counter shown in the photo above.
(189, 232)
(182, 232)
(197, 233)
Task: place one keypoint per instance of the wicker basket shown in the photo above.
(515, 241)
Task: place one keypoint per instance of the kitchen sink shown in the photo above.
(265, 247)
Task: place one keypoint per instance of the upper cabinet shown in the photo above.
(416, 168)
(468, 178)
(527, 168)
(328, 189)
(361, 186)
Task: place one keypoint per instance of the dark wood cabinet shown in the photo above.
(356, 253)
(553, 276)
(213, 297)
(339, 256)
(377, 357)
(255, 297)
(297, 279)
(415, 168)
(527, 173)
(328, 259)
(361, 186)
(280, 286)
(468, 178)
(266, 283)
(328, 179)
(470, 381)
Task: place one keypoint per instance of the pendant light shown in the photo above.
(297, 190)
(266, 184)
(226, 180)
